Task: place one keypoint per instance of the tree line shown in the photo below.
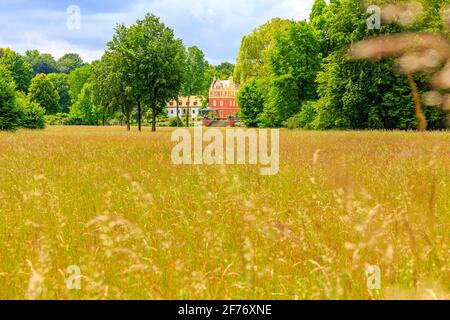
(296, 74)
(299, 74)
(143, 68)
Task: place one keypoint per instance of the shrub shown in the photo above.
(10, 113)
(173, 122)
(305, 118)
(33, 115)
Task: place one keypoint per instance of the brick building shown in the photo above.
(223, 98)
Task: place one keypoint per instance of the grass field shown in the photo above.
(112, 203)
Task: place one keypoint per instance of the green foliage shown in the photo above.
(85, 108)
(295, 62)
(20, 69)
(44, 93)
(69, 62)
(77, 79)
(41, 63)
(153, 61)
(33, 115)
(63, 119)
(10, 113)
(253, 57)
(305, 118)
(251, 100)
(61, 83)
(173, 122)
(224, 70)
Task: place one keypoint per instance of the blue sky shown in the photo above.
(216, 26)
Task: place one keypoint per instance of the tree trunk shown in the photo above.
(178, 113)
(127, 121)
(188, 111)
(153, 119)
(419, 111)
(139, 110)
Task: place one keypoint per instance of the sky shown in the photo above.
(215, 26)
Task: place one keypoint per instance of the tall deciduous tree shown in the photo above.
(253, 57)
(194, 80)
(20, 69)
(10, 114)
(69, 62)
(295, 62)
(110, 85)
(41, 63)
(77, 79)
(61, 83)
(44, 93)
(154, 60)
(251, 99)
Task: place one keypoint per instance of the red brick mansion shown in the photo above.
(223, 98)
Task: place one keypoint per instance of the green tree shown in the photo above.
(360, 94)
(10, 113)
(77, 79)
(295, 62)
(20, 69)
(154, 60)
(110, 86)
(41, 63)
(33, 114)
(253, 57)
(69, 62)
(85, 108)
(44, 93)
(194, 76)
(224, 70)
(61, 83)
(251, 99)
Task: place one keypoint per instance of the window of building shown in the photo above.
(215, 103)
(221, 103)
(171, 111)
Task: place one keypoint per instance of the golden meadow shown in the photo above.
(112, 203)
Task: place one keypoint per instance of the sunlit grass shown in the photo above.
(139, 227)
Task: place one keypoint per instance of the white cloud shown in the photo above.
(216, 26)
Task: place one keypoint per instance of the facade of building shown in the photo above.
(223, 98)
(195, 104)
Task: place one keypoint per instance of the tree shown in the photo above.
(20, 69)
(44, 93)
(61, 83)
(10, 114)
(360, 94)
(295, 62)
(194, 80)
(85, 108)
(110, 86)
(224, 70)
(69, 62)
(41, 63)
(154, 60)
(251, 99)
(77, 79)
(33, 114)
(253, 57)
